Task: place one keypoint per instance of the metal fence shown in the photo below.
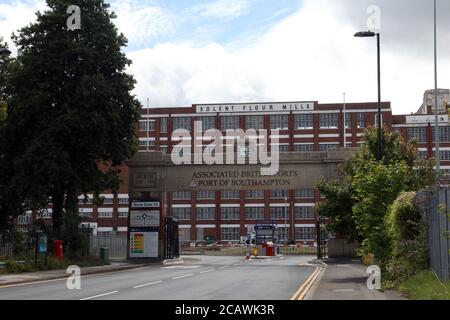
(435, 205)
(241, 250)
(116, 243)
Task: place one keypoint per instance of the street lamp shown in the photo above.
(4, 51)
(436, 97)
(286, 213)
(369, 34)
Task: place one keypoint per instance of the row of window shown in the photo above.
(277, 122)
(301, 233)
(251, 213)
(85, 215)
(419, 133)
(106, 201)
(249, 194)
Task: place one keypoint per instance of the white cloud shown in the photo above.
(223, 8)
(16, 15)
(311, 55)
(140, 22)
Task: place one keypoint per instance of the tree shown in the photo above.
(358, 202)
(71, 113)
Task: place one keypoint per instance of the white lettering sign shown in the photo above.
(255, 107)
(426, 119)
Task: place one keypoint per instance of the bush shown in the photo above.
(407, 231)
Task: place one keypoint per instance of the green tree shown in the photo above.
(358, 202)
(71, 114)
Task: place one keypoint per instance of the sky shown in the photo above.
(221, 51)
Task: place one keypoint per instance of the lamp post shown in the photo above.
(368, 34)
(286, 213)
(436, 97)
(4, 51)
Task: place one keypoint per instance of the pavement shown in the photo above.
(198, 278)
(347, 280)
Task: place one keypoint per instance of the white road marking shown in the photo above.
(206, 271)
(100, 295)
(147, 284)
(221, 268)
(181, 267)
(184, 276)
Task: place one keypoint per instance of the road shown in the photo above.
(202, 278)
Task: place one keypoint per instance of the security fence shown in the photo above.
(116, 243)
(435, 204)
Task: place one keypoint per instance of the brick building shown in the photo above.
(304, 127)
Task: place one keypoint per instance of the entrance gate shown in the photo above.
(172, 241)
(322, 238)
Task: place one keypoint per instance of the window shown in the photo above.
(304, 233)
(254, 194)
(230, 213)
(181, 195)
(303, 121)
(123, 200)
(147, 125)
(303, 147)
(282, 233)
(182, 123)
(444, 134)
(417, 133)
(282, 147)
(348, 120)
(423, 155)
(444, 155)
(230, 234)
(87, 200)
(279, 194)
(164, 149)
(376, 120)
(279, 212)
(305, 193)
(206, 213)
(361, 120)
(108, 201)
(206, 194)
(104, 214)
(207, 122)
(328, 146)
(254, 122)
(304, 213)
(279, 122)
(254, 213)
(163, 124)
(86, 215)
(230, 123)
(122, 214)
(329, 120)
(230, 194)
(181, 213)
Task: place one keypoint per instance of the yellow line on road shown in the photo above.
(294, 297)
(302, 296)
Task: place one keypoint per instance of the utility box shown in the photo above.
(104, 254)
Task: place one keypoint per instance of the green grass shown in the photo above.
(425, 286)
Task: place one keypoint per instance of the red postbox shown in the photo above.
(58, 249)
(270, 252)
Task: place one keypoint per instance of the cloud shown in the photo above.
(310, 55)
(141, 21)
(16, 15)
(223, 8)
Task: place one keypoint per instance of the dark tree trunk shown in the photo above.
(57, 215)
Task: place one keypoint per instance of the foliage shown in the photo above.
(407, 232)
(357, 204)
(338, 207)
(425, 285)
(71, 113)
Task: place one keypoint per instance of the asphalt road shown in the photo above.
(202, 278)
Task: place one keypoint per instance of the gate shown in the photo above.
(322, 238)
(172, 241)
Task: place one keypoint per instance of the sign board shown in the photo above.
(425, 119)
(255, 107)
(42, 243)
(149, 180)
(144, 218)
(145, 204)
(143, 244)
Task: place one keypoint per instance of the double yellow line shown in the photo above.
(306, 286)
